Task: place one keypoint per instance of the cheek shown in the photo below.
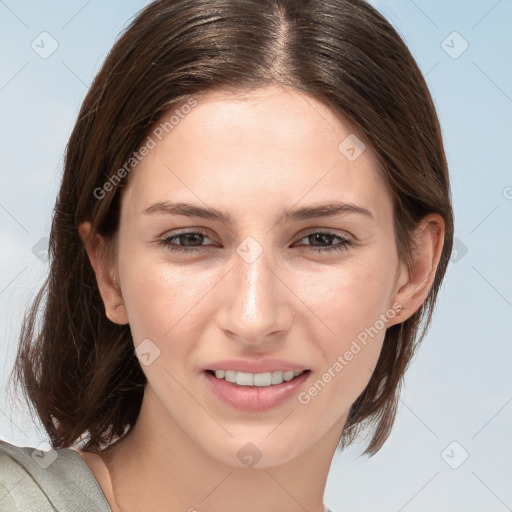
(350, 297)
(352, 303)
(161, 300)
(350, 348)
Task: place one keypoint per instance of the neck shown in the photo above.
(164, 470)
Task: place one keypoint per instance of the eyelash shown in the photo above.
(343, 245)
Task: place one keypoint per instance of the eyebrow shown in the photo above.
(303, 213)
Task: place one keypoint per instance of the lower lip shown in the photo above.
(254, 398)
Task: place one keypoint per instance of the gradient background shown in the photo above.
(459, 388)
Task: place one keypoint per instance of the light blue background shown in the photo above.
(459, 388)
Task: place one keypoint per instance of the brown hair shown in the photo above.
(79, 370)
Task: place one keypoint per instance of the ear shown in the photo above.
(106, 276)
(413, 285)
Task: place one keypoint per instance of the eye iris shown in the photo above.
(185, 238)
(317, 237)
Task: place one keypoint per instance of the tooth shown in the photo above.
(263, 379)
(258, 379)
(230, 376)
(277, 377)
(244, 379)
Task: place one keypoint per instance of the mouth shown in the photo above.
(254, 392)
(262, 380)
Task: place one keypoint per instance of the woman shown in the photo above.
(251, 231)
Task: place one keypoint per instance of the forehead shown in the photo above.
(272, 145)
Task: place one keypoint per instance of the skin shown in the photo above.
(252, 156)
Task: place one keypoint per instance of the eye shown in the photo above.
(326, 239)
(190, 241)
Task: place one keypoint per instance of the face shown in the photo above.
(267, 281)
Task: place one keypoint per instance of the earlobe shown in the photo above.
(108, 285)
(414, 284)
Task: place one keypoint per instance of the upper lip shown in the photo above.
(263, 365)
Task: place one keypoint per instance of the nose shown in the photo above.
(256, 305)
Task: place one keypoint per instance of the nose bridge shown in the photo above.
(254, 304)
(254, 278)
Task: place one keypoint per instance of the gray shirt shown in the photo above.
(48, 481)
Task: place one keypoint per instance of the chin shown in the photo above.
(255, 449)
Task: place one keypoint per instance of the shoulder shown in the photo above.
(53, 480)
